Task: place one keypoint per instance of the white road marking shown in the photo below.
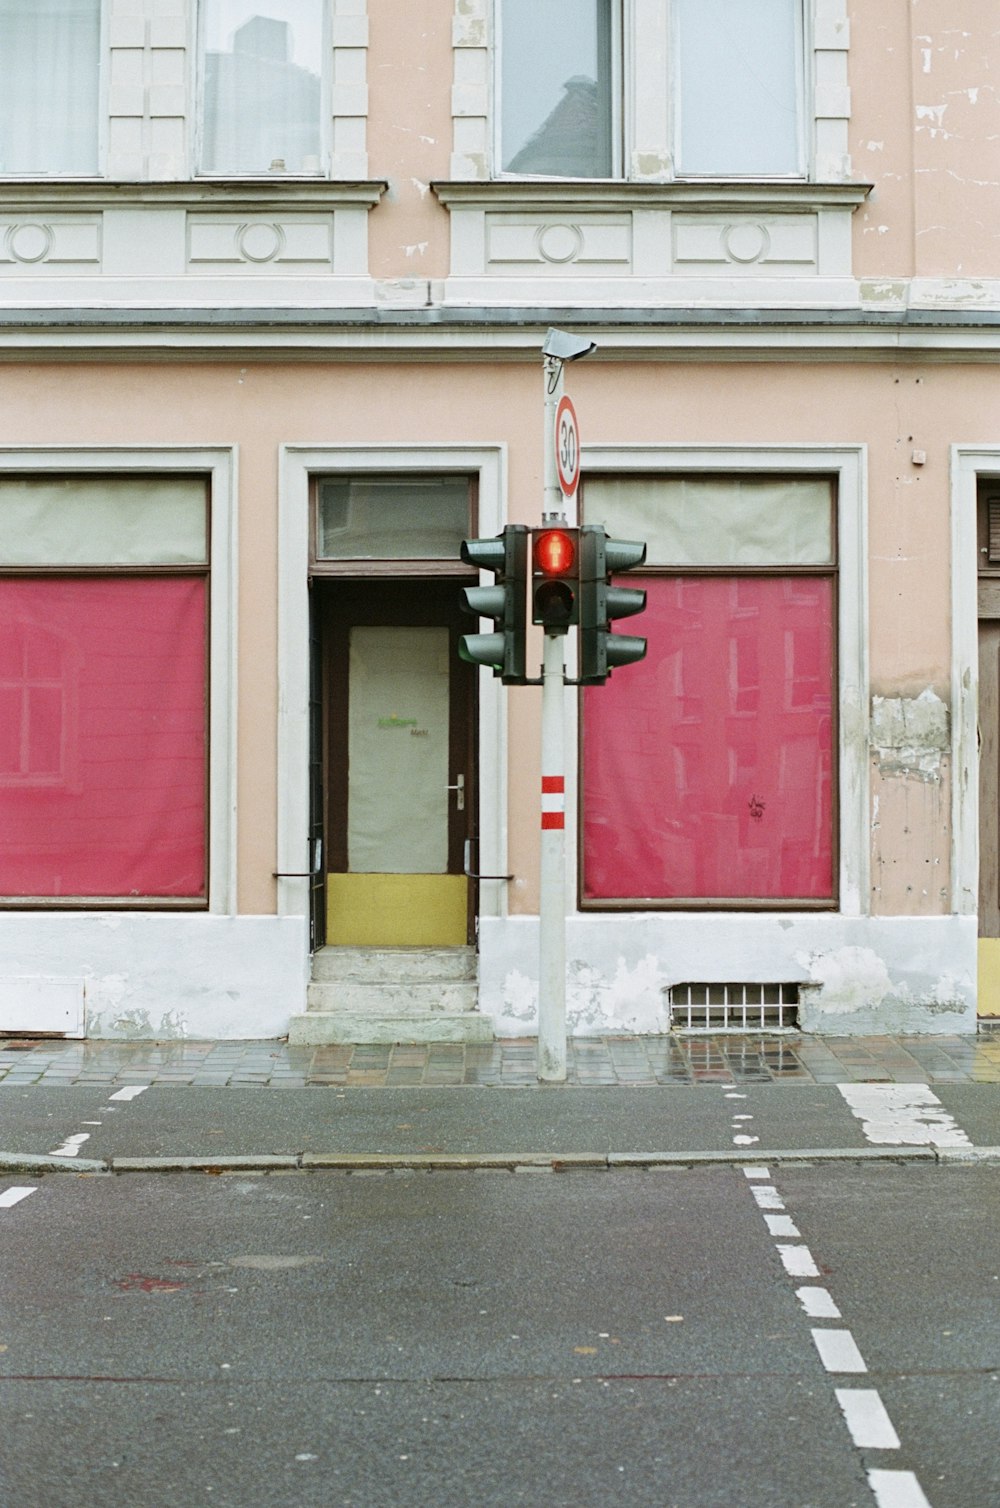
(71, 1146)
(903, 1115)
(781, 1225)
(767, 1197)
(897, 1489)
(866, 1418)
(798, 1261)
(15, 1195)
(744, 1141)
(129, 1092)
(756, 1172)
(817, 1303)
(838, 1351)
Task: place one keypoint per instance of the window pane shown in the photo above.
(103, 753)
(555, 85)
(718, 520)
(81, 521)
(737, 82)
(708, 766)
(392, 518)
(51, 80)
(262, 86)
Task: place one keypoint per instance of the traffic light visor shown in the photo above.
(555, 552)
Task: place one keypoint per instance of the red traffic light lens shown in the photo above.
(555, 552)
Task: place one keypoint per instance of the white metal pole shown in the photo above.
(551, 1058)
(552, 899)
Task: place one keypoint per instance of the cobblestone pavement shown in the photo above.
(592, 1061)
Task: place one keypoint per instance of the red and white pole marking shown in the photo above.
(553, 801)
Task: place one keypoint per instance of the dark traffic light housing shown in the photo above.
(555, 577)
(504, 651)
(601, 651)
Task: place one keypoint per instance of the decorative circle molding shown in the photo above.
(29, 241)
(747, 241)
(260, 242)
(559, 243)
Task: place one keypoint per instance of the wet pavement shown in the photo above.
(592, 1062)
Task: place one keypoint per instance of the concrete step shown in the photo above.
(393, 965)
(375, 997)
(314, 1028)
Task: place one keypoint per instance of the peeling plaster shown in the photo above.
(909, 735)
(854, 983)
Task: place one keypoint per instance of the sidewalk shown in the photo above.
(592, 1061)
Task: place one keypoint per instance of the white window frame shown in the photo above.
(647, 109)
(848, 465)
(804, 68)
(218, 466)
(619, 112)
(327, 104)
(101, 123)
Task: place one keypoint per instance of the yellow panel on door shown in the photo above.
(397, 910)
(989, 976)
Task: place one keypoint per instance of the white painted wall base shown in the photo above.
(863, 975)
(162, 977)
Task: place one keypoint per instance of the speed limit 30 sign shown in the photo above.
(567, 438)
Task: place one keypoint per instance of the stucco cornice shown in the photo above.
(234, 194)
(504, 334)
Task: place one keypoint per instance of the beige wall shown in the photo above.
(893, 410)
(923, 127)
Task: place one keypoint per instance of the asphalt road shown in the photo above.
(162, 1121)
(496, 1338)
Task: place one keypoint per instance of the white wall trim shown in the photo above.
(968, 464)
(298, 464)
(219, 465)
(849, 464)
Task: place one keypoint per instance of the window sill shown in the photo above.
(739, 193)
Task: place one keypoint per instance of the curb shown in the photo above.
(360, 1162)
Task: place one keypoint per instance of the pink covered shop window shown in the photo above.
(708, 767)
(103, 736)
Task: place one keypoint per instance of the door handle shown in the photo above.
(459, 788)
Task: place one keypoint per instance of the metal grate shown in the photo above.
(733, 1007)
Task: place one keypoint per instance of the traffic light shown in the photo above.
(507, 556)
(555, 578)
(601, 602)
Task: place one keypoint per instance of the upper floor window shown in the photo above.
(558, 96)
(262, 86)
(731, 72)
(51, 90)
(737, 87)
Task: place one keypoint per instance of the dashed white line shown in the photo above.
(781, 1225)
(15, 1195)
(71, 1146)
(756, 1172)
(866, 1418)
(838, 1351)
(897, 1489)
(767, 1197)
(798, 1261)
(903, 1115)
(129, 1092)
(817, 1303)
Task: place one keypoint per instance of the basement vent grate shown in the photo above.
(733, 1007)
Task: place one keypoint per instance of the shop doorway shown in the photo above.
(395, 802)
(989, 748)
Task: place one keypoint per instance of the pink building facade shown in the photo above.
(274, 284)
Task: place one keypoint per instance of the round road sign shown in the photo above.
(567, 438)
